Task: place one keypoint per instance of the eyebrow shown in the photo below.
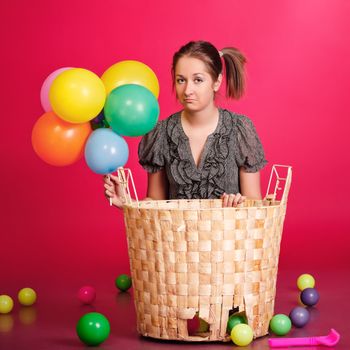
(180, 75)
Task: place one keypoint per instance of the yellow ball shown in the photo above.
(242, 334)
(77, 95)
(130, 72)
(305, 281)
(6, 304)
(27, 296)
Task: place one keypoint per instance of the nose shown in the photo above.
(188, 89)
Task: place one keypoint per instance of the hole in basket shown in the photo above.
(233, 311)
(235, 317)
(197, 326)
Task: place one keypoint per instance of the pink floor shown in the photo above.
(50, 324)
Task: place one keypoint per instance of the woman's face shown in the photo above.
(194, 86)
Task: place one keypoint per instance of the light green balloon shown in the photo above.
(131, 110)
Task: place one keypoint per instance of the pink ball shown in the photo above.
(87, 294)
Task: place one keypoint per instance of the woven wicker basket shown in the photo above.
(191, 257)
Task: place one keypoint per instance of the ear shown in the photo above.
(217, 84)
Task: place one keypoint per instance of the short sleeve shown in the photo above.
(249, 150)
(151, 150)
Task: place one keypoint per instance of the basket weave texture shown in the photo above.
(193, 256)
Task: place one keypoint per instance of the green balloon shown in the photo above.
(234, 320)
(123, 282)
(131, 110)
(93, 328)
(280, 324)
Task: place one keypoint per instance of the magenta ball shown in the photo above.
(299, 316)
(87, 294)
(309, 296)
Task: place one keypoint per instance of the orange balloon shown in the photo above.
(58, 142)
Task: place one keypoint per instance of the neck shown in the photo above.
(198, 118)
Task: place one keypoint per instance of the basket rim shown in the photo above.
(136, 205)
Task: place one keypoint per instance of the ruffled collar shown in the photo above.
(181, 133)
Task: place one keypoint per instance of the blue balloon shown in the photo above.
(105, 151)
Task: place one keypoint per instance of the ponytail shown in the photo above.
(235, 75)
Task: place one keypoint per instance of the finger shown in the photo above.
(114, 178)
(231, 199)
(225, 200)
(223, 195)
(109, 187)
(236, 200)
(108, 181)
(109, 194)
(242, 199)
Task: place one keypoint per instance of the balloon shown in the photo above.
(77, 95)
(131, 110)
(44, 92)
(57, 142)
(130, 72)
(105, 151)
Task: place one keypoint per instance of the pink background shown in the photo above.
(56, 220)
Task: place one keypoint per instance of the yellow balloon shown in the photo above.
(130, 72)
(77, 95)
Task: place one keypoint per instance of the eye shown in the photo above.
(198, 80)
(180, 80)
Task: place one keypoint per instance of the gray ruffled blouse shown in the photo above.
(232, 145)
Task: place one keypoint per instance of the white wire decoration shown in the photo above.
(124, 176)
(275, 172)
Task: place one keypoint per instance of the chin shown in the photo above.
(191, 107)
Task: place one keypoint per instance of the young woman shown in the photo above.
(202, 151)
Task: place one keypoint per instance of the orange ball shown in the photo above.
(58, 142)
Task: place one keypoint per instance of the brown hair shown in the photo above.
(207, 53)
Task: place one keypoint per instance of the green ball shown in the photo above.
(234, 320)
(203, 326)
(280, 324)
(123, 282)
(93, 328)
(131, 110)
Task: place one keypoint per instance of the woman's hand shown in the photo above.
(114, 190)
(232, 200)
